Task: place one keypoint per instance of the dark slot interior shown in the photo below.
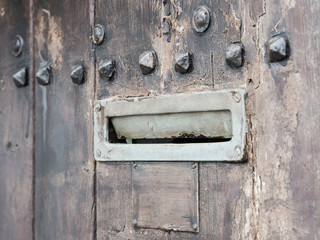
(184, 139)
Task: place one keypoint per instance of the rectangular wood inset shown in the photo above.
(165, 196)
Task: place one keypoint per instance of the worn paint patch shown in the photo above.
(49, 38)
(2, 12)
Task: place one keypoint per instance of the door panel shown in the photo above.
(287, 125)
(64, 166)
(132, 27)
(16, 124)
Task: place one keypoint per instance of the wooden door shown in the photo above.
(51, 187)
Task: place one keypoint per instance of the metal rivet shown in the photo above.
(201, 19)
(147, 62)
(107, 68)
(183, 62)
(135, 222)
(238, 151)
(279, 48)
(98, 152)
(44, 75)
(237, 97)
(234, 55)
(77, 74)
(98, 108)
(20, 78)
(17, 45)
(98, 34)
(195, 226)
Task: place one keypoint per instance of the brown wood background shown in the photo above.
(50, 185)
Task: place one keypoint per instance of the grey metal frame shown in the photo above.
(233, 150)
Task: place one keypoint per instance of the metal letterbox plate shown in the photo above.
(206, 126)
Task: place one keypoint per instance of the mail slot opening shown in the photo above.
(171, 128)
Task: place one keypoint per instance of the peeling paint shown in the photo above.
(49, 38)
(2, 12)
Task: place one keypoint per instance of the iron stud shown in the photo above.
(17, 45)
(77, 74)
(107, 68)
(183, 62)
(147, 62)
(201, 19)
(234, 55)
(278, 48)
(44, 75)
(20, 78)
(98, 34)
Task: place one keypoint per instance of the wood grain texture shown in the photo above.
(286, 124)
(16, 126)
(132, 27)
(165, 196)
(64, 165)
(114, 205)
(225, 202)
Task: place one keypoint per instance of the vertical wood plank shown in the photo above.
(226, 205)
(226, 199)
(132, 27)
(286, 123)
(16, 125)
(64, 165)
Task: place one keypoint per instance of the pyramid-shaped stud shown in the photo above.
(278, 48)
(20, 78)
(147, 62)
(43, 76)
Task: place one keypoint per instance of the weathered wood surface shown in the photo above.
(134, 26)
(272, 196)
(16, 126)
(165, 196)
(286, 125)
(64, 165)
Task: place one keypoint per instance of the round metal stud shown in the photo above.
(201, 19)
(17, 45)
(98, 34)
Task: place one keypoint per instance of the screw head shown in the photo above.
(20, 78)
(135, 222)
(17, 45)
(238, 151)
(236, 97)
(77, 74)
(195, 226)
(43, 76)
(98, 34)
(234, 55)
(98, 107)
(201, 19)
(183, 62)
(278, 48)
(98, 152)
(107, 68)
(147, 62)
